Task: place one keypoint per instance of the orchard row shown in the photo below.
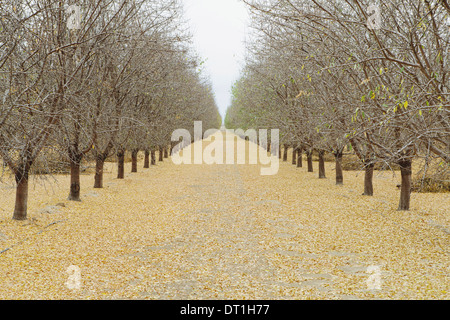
(94, 78)
(370, 75)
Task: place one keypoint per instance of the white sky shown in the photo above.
(219, 29)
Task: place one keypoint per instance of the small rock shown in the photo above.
(50, 209)
(91, 194)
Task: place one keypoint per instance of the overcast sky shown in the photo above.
(219, 28)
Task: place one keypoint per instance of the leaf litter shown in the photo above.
(225, 232)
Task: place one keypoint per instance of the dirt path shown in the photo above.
(225, 232)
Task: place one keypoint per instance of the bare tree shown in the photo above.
(345, 76)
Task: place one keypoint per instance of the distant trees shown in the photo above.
(335, 73)
(93, 77)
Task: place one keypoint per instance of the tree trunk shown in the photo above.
(339, 171)
(368, 179)
(405, 192)
(268, 146)
(75, 165)
(146, 159)
(294, 156)
(172, 145)
(161, 154)
(310, 161)
(321, 165)
(98, 179)
(153, 154)
(166, 153)
(121, 164)
(134, 160)
(20, 209)
(300, 158)
(285, 153)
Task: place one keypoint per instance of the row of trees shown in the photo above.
(94, 78)
(373, 75)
